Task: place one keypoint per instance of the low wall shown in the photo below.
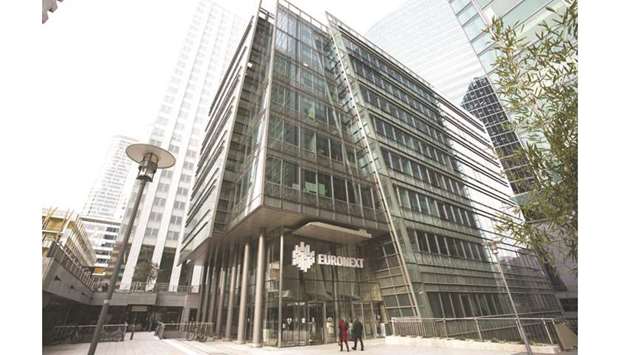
(468, 344)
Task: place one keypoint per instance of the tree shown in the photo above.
(146, 271)
(537, 81)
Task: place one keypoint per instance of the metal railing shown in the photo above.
(143, 287)
(65, 258)
(540, 331)
(72, 334)
(201, 331)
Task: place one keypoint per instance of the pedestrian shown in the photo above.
(343, 327)
(357, 330)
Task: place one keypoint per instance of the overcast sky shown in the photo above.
(106, 68)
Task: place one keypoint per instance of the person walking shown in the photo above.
(343, 328)
(357, 330)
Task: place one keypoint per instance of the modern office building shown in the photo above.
(474, 16)
(64, 227)
(334, 183)
(110, 192)
(210, 42)
(426, 37)
(107, 200)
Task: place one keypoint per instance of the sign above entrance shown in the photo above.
(304, 258)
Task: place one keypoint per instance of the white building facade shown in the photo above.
(426, 36)
(212, 37)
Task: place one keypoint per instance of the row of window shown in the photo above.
(301, 52)
(285, 173)
(459, 305)
(405, 139)
(421, 203)
(306, 79)
(156, 217)
(404, 116)
(405, 98)
(386, 67)
(418, 171)
(299, 29)
(287, 100)
(311, 141)
(159, 201)
(443, 245)
(165, 187)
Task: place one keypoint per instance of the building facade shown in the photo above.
(208, 46)
(474, 16)
(64, 227)
(426, 37)
(335, 183)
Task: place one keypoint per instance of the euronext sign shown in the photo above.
(304, 258)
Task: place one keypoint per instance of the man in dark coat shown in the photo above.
(357, 330)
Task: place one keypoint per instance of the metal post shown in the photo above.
(547, 331)
(281, 278)
(512, 303)
(478, 328)
(244, 294)
(224, 273)
(117, 267)
(257, 334)
(445, 326)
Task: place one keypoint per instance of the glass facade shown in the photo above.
(334, 183)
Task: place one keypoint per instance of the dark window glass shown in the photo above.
(442, 245)
(451, 246)
(458, 308)
(336, 150)
(339, 189)
(447, 305)
(422, 242)
(324, 187)
(322, 145)
(309, 140)
(433, 298)
(366, 196)
(290, 175)
(432, 243)
(273, 170)
(351, 192)
(291, 134)
(309, 181)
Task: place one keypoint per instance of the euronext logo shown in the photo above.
(304, 258)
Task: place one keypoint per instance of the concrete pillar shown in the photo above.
(213, 286)
(224, 274)
(231, 295)
(257, 334)
(204, 289)
(244, 294)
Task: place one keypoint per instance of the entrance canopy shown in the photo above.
(332, 233)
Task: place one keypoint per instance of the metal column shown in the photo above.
(257, 333)
(244, 294)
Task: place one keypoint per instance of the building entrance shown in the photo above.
(303, 323)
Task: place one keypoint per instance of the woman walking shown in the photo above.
(343, 327)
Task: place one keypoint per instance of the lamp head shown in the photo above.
(149, 158)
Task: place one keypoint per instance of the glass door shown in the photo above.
(314, 323)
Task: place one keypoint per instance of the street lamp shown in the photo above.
(149, 158)
(493, 246)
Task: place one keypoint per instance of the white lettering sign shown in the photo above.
(304, 258)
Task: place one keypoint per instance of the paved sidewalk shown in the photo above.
(148, 344)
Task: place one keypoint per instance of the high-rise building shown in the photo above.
(335, 183)
(474, 16)
(108, 195)
(210, 42)
(426, 37)
(107, 200)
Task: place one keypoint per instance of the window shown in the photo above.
(366, 196)
(158, 201)
(176, 220)
(163, 187)
(322, 144)
(291, 135)
(443, 249)
(155, 217)
(290, 175)
(309, 140)
(422, 242)
(179, 205)
(336, 150)
(432, 245)
(403, 194)
(172, 235)
(351, 191)
(308, 108)
(339, 189)
(325, 186)
(309, 181)
(273, 170)
(275, 128)
(182, 191)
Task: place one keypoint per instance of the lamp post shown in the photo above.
(149, 158)
(493, 246)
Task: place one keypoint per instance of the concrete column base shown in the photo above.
(239, 342)
(255, 345)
